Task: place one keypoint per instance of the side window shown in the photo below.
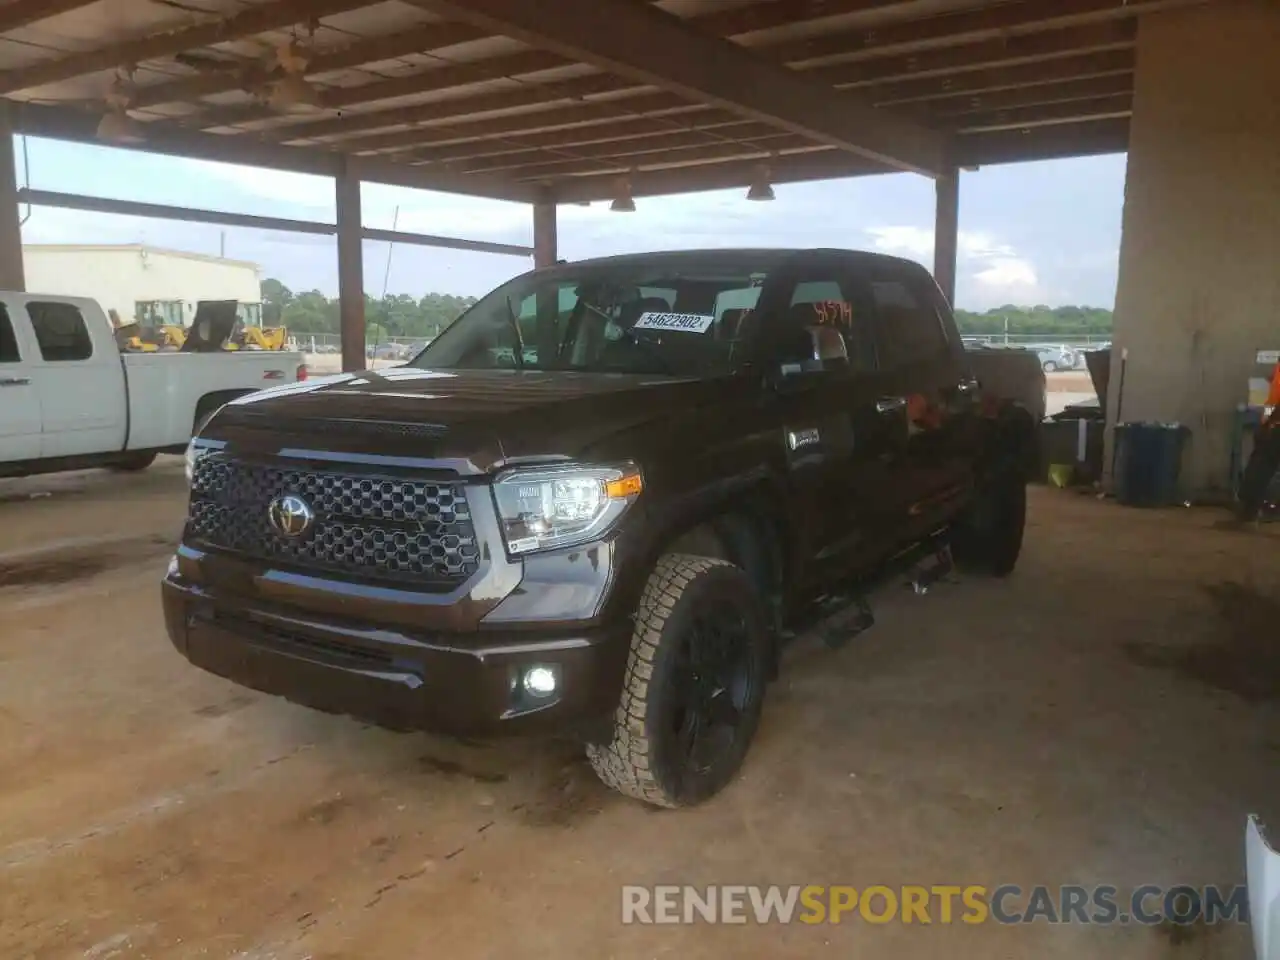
(60, 331)
(910, 330)
(832, 303)
(8, 341)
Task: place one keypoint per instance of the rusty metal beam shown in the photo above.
(433, 36)
(1026, 118)
(761, 149)
(741, 133)
(20, 13)
(970, 26)
(62, 123)
(621, 36)
(260, 19)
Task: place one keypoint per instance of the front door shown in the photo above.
(19, 404)
(836, 444)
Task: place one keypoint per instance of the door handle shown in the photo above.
(966, 387)
(14, 381)
(890, 404)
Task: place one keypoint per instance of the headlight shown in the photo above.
(548, 507)
(194, 452)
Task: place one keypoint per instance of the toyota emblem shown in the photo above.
(290, 516)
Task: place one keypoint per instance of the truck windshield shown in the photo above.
(632, 315)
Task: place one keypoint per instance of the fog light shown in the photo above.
(540, 681)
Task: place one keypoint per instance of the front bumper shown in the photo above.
(401, 678)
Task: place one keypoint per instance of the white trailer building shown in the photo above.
(141, 282)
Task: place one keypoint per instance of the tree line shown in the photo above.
(1039, 320)
(395, 315)
(400, 315)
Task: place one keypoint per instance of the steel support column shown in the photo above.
(545, 241)
(946, 233)
(12, 276)
(350, 270)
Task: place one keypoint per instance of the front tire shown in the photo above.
(988, 538)
(694, 685)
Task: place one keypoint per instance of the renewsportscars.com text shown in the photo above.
(939, 903)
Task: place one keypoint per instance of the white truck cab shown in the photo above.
(70, 399)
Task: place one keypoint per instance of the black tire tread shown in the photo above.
(626, 762)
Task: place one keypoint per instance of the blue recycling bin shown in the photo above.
(1149, 463)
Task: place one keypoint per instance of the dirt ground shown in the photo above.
(1110, 714)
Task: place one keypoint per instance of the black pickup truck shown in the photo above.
(597, 503)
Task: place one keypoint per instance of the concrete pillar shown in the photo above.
(544, 235)
(350, 271)
(946, 233)
(12, 276)
(1199, 288)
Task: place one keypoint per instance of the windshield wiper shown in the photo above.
(515, 327)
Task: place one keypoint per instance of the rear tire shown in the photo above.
(694, 685)
(988, 538)
(134, 463)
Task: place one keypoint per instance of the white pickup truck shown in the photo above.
(70, 399)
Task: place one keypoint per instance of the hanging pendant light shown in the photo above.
(761, 189)
(623, 202)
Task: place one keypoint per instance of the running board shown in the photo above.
(839, 618)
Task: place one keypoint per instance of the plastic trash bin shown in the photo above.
(1148, 463)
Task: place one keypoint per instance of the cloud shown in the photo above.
(990, 271)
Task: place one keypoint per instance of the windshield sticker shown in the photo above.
(688, 322)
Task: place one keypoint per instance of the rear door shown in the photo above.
(927, 389)
(19, 403)
(79, 380)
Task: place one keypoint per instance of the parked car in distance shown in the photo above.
(70, 400)
(598, 504)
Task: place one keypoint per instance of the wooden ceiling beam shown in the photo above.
(632, 128)
(63, 123)
(730, 174)
(761, 150)
(1043, 143)
(960, 104)
(1111, 35)
(621, 36)
(428, 81)
(1115, 63)
(424, 39)
(741, 133)
(455, 109)
(1042, 115)
(998, 23)
(497, 136)
(1040, 49)
(259, 19)
(22, 13)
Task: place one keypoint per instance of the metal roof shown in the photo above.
(563, 99)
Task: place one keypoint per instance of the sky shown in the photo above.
(1035, 233)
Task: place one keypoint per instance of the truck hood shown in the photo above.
(476, 421)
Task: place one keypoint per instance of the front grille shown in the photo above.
(371, 526)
